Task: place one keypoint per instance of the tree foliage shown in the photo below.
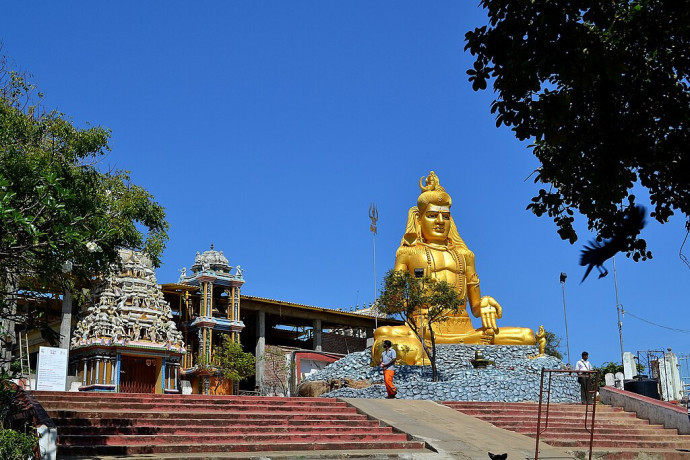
(405, 296)
(14, 444)
(231, 362)
(62, 219)
(553, 345)
(17, 446)
(613, 368)
(602, 90)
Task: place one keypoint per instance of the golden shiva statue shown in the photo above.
(432, 247)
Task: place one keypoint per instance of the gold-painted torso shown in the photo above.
(443, 263)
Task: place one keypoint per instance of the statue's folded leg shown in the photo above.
(514, 336)
(405, 342)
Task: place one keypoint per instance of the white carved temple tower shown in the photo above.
(128, 341)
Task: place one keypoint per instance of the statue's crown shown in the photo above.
(432, 183)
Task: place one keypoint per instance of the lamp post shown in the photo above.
(565, 315)
(619, 307)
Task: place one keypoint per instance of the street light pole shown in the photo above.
(565, 315)
(619, 307)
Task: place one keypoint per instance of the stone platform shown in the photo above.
(514, 376)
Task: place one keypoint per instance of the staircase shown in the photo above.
(617, 434)
(105, 424)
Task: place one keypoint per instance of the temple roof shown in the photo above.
(212, 265)
(211, 259)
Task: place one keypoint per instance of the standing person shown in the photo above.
(388, 358)
(584, 379)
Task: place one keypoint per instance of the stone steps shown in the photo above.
(615, 430)
(218, 416)
(227, 436)
(139, 397)
(384, 447)
(197, 423)
(179, 429)
(91, 425)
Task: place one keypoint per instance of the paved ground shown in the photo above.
(451, 434)
(448, 433)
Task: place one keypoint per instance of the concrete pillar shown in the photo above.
(83, 380)
(236, 302)
(620, 378)
(629, 365)
(66, 320)
(260, 348)
(669, 377)
(113, 370)
(610, 379)
(317, 334)
(164, 375)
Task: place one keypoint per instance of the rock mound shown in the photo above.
(514, 376)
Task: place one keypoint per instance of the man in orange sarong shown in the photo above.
(388, 358)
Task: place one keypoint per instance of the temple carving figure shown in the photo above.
(432, 246)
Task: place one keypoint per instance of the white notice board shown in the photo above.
(52, 369)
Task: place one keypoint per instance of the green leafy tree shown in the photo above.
(17, 446)
(405, 296)
(613, 368)
(14, 445)
(8, 391)
(231, 362)
(602, 90)
(62, 219)
(553, 345)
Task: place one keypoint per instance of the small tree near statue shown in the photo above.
(422, 303)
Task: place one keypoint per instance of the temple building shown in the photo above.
(208, 303)
(133, 335)
(128, 341)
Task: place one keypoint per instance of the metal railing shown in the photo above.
(593, 376)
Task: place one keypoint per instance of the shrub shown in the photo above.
(17, 446)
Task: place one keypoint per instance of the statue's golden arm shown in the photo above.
(486, 308)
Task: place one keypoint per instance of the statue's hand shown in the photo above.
(489, 310)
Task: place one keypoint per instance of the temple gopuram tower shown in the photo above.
(128, 341)
(207, 316)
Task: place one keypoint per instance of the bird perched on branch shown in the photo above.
(597, 253)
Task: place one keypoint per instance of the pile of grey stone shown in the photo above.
(513, 376)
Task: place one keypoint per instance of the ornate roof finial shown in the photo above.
(211, 246)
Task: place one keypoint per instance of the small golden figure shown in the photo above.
(433, 247)
(541, 340)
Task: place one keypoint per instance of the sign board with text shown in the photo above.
(52, 369)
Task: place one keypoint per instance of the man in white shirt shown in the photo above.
(388, 358)
(584, 378)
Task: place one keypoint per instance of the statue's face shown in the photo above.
(435, 224)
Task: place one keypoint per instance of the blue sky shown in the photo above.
(267, 128)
